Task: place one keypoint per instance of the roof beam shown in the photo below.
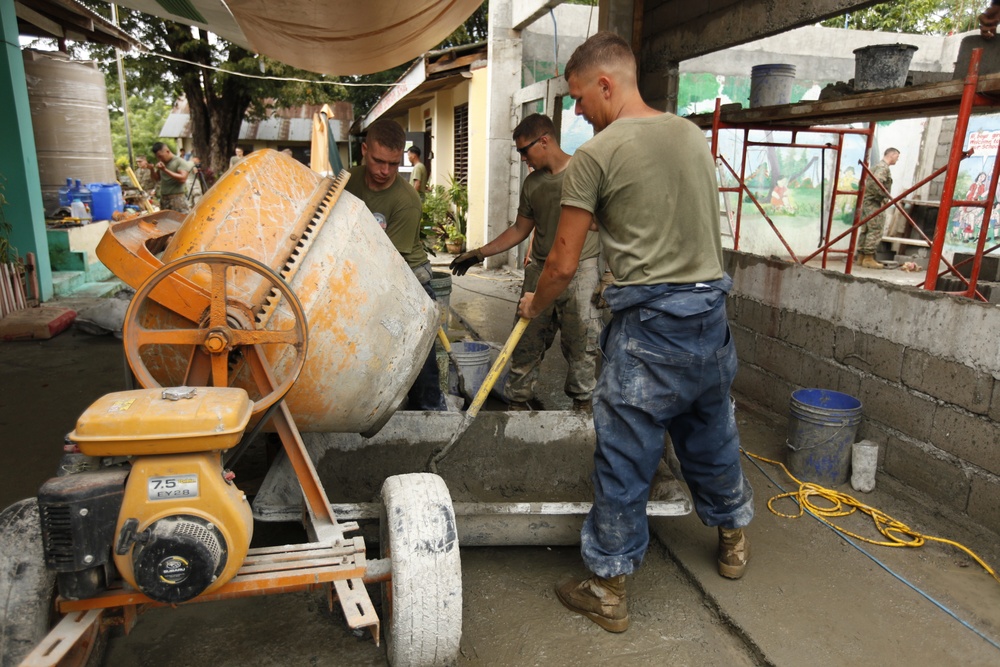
(526, 12)
(36, 20)
(674, 30)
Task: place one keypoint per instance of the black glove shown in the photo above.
(598, 297)
(466, 261)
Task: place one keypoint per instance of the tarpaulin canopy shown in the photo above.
(338, 37)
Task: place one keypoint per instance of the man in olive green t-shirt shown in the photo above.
(648, 181)
(418, 178)
(397, 210)
(572, 314)
(171, 173)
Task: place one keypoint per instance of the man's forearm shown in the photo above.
(507, 239)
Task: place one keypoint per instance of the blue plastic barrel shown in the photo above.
(821, 431)
(81, 192)
(106, 199)
(64, 196)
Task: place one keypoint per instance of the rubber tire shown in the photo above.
(422, 604)
(26, 585)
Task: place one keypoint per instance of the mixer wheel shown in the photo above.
(227, 324)
(422, 603)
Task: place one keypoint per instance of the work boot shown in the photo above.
(599, 599)
(868, 262)
(583, 405)
(734, 552)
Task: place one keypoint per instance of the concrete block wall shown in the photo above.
(926, 367)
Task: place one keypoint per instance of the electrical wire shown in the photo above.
(897, 534)
(267, 78)
(493, 296)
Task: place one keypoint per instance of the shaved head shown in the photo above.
(606, 52)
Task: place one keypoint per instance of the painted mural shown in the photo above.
(965, 222)
(794, 185)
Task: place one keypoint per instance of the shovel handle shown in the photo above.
(443, 337)
(491, 377)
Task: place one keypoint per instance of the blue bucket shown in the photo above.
(821, 431)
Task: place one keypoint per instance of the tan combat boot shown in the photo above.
(599, 599)
(868, 262)
(734, 552)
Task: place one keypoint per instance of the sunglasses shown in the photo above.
(523, 150)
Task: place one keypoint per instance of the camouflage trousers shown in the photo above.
(177, 203)
(579, 324)
(870, 233)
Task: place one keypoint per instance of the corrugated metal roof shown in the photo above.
(288, 124)
(300, 129)
(177, 125)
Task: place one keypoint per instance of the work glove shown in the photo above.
(466, 261)
(597, 299)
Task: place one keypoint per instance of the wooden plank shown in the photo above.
(932, 99)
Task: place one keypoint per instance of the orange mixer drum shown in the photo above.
(371, 325)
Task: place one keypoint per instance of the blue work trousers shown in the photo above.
(425, 393)
(662, 373)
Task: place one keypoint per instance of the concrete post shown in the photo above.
(504, 76)
(22, 188)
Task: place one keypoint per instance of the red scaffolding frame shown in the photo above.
(933, 99)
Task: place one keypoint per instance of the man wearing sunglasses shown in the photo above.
(571, 314)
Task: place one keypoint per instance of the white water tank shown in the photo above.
(72, 127)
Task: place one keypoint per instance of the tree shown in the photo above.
(147, 114)
(218, 102)
(928, 17)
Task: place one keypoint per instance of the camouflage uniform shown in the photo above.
(870, 233)
(579, 322)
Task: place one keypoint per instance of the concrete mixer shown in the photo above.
(371, 325)
(274, 262)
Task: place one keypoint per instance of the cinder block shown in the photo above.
(849, 381)
(760, 318)
(763, 388)
(746, 343)
(897, 408)
(813, 334)
(869, 353)
(930, 471)
(989, 270)
(969, 437)
(950, 381)
(984, 498)
(782, 360)
(995, 402)
(819, 374)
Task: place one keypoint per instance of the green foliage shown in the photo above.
(435, 214)
(924, 17)
(146, 118)
(445, 212)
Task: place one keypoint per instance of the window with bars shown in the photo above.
(462, 143)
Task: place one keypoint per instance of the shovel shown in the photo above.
(484, 391)
(446, 344)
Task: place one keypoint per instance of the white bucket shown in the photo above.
(474, 360)
(771, 85)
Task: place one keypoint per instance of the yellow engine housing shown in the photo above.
(182, 524)
(188, 485)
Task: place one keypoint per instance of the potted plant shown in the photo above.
(454, 238)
